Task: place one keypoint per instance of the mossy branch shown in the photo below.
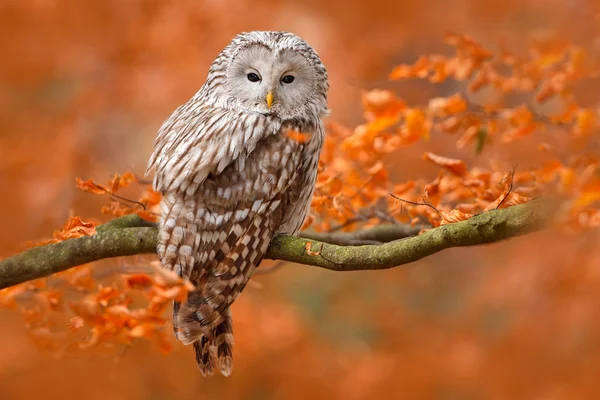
(131, 235)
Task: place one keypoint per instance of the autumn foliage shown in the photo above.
(476, 124)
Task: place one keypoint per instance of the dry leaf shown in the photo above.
(457, 167)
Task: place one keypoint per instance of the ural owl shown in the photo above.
(232, 177)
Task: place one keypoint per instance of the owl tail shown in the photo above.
(214, 349)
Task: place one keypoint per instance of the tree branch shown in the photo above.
(488, 227)
(131, 235)
(377, 235)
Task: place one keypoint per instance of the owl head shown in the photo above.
(272, 73)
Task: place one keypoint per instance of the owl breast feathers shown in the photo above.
(232, 178)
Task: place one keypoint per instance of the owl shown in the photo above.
(232, 177)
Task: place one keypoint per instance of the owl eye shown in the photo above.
(252, 77)
(287, 79)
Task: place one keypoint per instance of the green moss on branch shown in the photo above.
(49, 259)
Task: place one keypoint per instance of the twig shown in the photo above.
(415, 203)
(128, 200)
(377, 235)
(511, 177)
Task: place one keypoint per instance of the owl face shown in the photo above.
(276, 76)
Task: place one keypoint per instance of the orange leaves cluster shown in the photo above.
(111, 316)
(107, 313)
(354, 184)
(579, 182)
(116, 183)
(118, 205)
(548, 74)
(417, 126)
(470, 56)
(146, 207)
(390, 125)
(461, 193)
(380, 104)
(129, 308)
(75, 227)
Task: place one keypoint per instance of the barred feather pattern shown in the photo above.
(231, 180)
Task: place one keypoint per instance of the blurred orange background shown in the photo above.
(85, 85)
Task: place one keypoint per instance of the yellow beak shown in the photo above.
(269, 99)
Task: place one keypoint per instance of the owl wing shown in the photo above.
(225, 184)
(199, 139)
(231, 224)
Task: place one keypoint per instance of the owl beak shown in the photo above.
(269, 99)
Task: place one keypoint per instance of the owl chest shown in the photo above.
(276, 166)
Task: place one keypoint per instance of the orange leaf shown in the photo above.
(578, 60)
(378, 172)
(440, 69)
(75, 323)
(518, 116)
(514, 199)
(403, 188)
(457, 167)
(320, 201)
(484, 77)
(586, 122)
(519, 132)
(143, 330)
(150, 198)
(416, 124)
(331, 186)
(506, 183)
(90, 186)
(307, 222)
(467, 207)
(467, 47)
(120, 181)
(139, 281)
(298, 136)
(382, 104)
(468, 137)
(555, 85)
(147, 215)
(309, 251)
(451, 124)
(75, 228)
(453, 216)
(496, 203)
(448, 105)
(420, 69)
